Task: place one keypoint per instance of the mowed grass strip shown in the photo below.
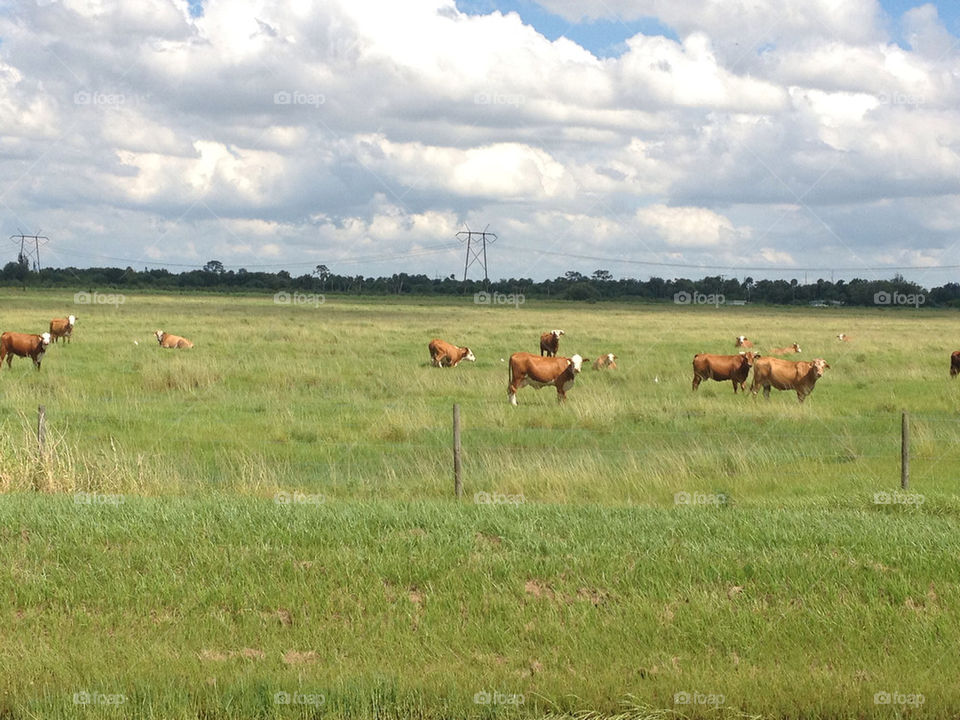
(215, 607)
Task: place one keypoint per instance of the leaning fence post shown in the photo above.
(457, 474)
(41, 429)
(905, 451)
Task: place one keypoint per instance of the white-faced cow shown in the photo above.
(605, 362)
(799, 375)
(167, 340)
(743, 342)
(786, 350)
(23, 345)
(443, 354)
(550, 343)
(735, 368)
(537, 372)
(62, 328)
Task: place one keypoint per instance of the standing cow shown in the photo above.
(550, 343)
(799, 375)
(723, 367)
(443, 354)
(62, 328)
(23, 345)
(537, 372)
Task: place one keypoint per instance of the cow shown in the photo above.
(786, 350)
(23, 345)
(843, 337)
(443, 354)
(537, 372)
(167, 340)
(723, 368)
(605, 362)
(62, 328)
(550, 343)
(954, 363)
(743, 342)
(799, 375)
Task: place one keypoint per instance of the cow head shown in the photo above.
(45, 339)
(577, 362)
(796, 347)
(740, 339)
(819, 365)
(469, 356)
(160, 334)
(72, 320)
(749, 357)
(557, 333)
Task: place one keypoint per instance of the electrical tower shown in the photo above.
(474, 239)
(26, 251)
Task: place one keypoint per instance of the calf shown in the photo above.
(167, 340)
(955, 363)
(743, 342)
(550, 343)
(605, 362)
(537, 372)
(62, 328)
(786, 350)
(723, 367)
(799, 375)
(23, 345)
(443, 354)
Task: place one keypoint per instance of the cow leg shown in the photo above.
(561, 395)
(766, 391)
(734, 386)
(696, 381)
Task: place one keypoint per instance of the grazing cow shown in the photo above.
(167, 340)
(743, 342)
(799, 375)
(537, 372)
(605, 362)
(843, 337)
(722, 368)
(955, 363)
(443, 354)
(23, 345)
(62, 328)
(550, 343)
(786, 350)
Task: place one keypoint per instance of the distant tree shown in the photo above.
(214, 266)
(602, 275)
(574, 276)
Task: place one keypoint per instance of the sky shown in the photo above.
(644, 137)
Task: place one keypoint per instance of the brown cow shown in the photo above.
(443, 354)
(786, 350)
(843, 337)
(743, 342)
(537, 372)
(167, 340)
(799, 375)
(550, 343)
(62, 328)
(23, 345)
(605, 362)
(722, 368)
(955, 363)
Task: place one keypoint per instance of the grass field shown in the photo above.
(269, 517)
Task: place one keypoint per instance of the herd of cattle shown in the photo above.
(34, 346)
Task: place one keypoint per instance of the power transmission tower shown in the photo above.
(474, 239)
(26, 252)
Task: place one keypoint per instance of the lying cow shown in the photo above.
(605, 362)
(537, 372)
(167, 340)
(62, 328)
(955, 363)
(550, 343)
(23, 345)
(443, 354)
(843, 337)
(743, 342)
(799, 375)
(723, 368)
(786, 350)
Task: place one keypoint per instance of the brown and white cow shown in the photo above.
(23, 345)
(743, 342)
(605, 362)
(799, 375)
(735, 368)
(443, 354)
(786, 350)
(843, 337)
(62, 328)
(167, 340)
(550, 343)
(955, 363)
(537, 372)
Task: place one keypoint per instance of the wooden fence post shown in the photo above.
(905, 451)
(457, 469)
